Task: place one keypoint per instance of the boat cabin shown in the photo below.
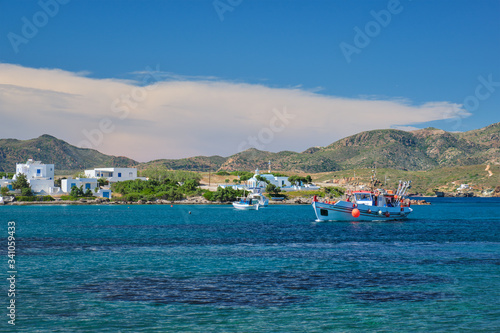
(364, 198)
(377, 198)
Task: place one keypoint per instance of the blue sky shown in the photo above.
(429, 52)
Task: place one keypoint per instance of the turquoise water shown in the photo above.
(161, 269)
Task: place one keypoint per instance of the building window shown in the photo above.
(110, 174)
(87, 186)
(119, 174)
(130, 174)
(38, 171)
(73, 185)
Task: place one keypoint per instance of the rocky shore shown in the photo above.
(189, 201)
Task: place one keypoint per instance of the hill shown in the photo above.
(423, 149)
(51, 150)
(419, 150)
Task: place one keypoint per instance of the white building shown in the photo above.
(282, 182)
(5, 182)
(277, 181)
(464, 187)
(86, 184)
(40, 176)
(114, 175)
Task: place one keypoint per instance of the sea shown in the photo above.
(211, 268)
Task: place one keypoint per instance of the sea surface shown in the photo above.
(157, 268)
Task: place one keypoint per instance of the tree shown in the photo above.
(297, 180)
(225, 194)
(262, 179)
(294, 180)
(20, 182)
(102, 182)
(190, 185)
(77, 191)
(26, 192)
(273, 189)
(4, 191)
(57, 182)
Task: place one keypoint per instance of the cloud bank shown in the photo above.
(151, 118)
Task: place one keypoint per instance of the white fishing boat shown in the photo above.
(247, 204)
(378, 205)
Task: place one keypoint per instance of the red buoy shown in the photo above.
(387, 214)
(355, 212)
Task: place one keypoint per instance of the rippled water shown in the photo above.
(161, 268)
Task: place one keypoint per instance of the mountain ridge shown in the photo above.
(421, 149)
(51, 150)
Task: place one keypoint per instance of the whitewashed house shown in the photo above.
(86, 184)
(282, 182)
(40, 176)
(5, 182)
(114, 175)
(277, 181)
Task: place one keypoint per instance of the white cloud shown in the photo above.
(405, 128)
(152, 119)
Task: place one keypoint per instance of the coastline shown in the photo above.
(189, 201)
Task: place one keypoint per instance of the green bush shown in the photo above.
(32, 198)
(224, 194)
(133, 197)
(175, 176)
(208, 195)
(171, 195)
(244, 175)
(334, 191)
(151, 189)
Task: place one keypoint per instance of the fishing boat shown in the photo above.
(246, 204)
(377, 205)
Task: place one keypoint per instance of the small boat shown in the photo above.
(378, 205)
(246, 204)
